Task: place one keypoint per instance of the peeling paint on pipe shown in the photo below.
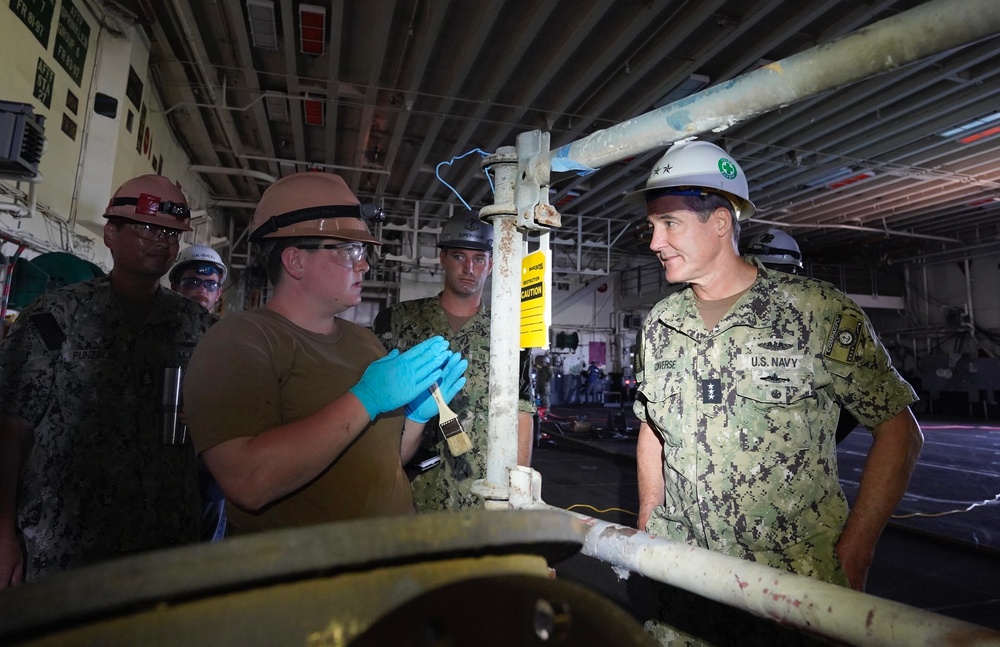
(928, 29)
(795, 600)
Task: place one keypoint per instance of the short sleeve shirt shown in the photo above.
(257, 370)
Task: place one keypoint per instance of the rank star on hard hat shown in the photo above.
(697, 168)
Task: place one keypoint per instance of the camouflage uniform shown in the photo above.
(747, 414)
(448, 486)
(97, 481)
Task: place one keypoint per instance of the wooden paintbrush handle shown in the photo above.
(443, 410)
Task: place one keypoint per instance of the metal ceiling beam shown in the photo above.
(241, 45)
(886, 45)
(199, 141)
(472, 46)
(292, 79)
(377, 51)
(572, 38)
(425, 40)
(500, 79)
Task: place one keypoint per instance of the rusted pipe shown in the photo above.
(795, 600)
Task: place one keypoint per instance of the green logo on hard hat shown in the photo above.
(728, 168)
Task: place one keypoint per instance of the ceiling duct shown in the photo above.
(263, 31)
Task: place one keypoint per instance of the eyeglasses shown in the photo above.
(152, 232)
(353, 252)
(193, 283)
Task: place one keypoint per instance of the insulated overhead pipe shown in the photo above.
(923, 31)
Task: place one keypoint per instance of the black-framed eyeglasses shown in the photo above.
(152, 232)
(354, 252)
(193, 283)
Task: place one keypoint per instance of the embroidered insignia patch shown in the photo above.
(711, 391)
(842, 345)
(774, 345)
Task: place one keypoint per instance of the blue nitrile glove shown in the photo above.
(392, 381)
(423, 407)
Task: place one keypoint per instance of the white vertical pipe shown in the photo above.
(508, 246)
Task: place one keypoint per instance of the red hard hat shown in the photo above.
(152, 199)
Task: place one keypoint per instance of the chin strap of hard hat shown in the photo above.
(367, 212)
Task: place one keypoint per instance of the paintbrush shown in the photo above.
(458, 441)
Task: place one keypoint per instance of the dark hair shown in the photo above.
(705, 206)
(271, 250)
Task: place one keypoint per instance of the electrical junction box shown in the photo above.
(22, 138)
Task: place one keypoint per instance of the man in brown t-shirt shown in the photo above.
(317, 415)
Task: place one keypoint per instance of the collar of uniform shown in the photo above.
(753, 310)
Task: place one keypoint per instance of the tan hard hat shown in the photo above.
(313, 204)
(152, 199)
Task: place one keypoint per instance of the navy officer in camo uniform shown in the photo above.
(743, 374)
(85, 471)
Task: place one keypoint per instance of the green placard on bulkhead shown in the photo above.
(44, 78)
(72, 41)
(37, 17)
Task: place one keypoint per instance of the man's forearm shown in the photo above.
(649, 465)
(255, 470)
(884, 479)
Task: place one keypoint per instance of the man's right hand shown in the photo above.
(398, 378)
(11, 561)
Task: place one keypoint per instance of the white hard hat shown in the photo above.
(197, 254)
(775, 247)
(698, 165)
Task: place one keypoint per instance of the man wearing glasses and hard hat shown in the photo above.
(85, 472)
(318, 418)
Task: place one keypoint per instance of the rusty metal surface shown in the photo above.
(175, 575)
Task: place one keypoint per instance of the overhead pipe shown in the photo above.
(886, 231)
(928, 29)
(225, 170)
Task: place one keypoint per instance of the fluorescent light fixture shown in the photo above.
(566, 199)
(989, 132)
(864, 175)
(312, 29)
(832, 176)
(262, 29)
(975, 124)
(277, 107)
(685, 88)
(983, 202)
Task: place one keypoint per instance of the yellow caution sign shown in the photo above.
(536, 302)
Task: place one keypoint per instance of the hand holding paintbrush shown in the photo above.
(436, 402)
